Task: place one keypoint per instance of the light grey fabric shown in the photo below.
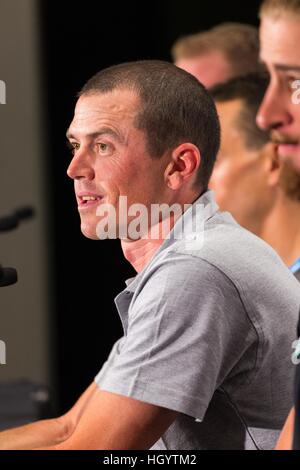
(208, 328)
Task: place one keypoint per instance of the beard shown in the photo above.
(278, 138)
(290, 181)
(294, 160)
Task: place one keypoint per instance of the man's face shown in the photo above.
(239, 177)
(110, 157)
(280, 39)
(209, 68)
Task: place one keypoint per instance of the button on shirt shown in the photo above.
(208, 328)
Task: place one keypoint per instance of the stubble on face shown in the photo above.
(290, 181)
(279, 36)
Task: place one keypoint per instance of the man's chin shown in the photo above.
(89, 232)
(290, 181)
(291, 154)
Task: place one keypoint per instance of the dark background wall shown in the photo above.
(77, 40)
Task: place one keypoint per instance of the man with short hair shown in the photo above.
(204, 360)
(280, 114)
(249, 179)
(225, 51)
(280, 110)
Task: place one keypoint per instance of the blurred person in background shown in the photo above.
(280, 114)
(249, 180)
(214, 56)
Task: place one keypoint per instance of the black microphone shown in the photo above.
(8, 276)
(12, 221)
(8, 223)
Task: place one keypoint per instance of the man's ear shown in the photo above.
(273, 162)
(183, 167)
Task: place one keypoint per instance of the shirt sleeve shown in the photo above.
(187, 332)
(115, 351)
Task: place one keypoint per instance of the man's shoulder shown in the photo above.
(237, 253)
(226, 257)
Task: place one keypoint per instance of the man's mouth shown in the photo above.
(288, 149)
(287, 146)
(88, 200)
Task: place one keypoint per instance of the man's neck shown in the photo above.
(139, 252)
(281, 229)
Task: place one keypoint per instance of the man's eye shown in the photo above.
(102, 147)
(73, 146)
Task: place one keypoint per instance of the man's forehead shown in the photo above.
(115, 101)
(95, 109)
(278, 41)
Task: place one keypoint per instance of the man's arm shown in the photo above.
(285, 441)
(111, 421)
(46, 432)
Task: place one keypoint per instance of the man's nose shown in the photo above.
(273, 112)
(81, 166)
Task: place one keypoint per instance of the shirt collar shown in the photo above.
(209, 209)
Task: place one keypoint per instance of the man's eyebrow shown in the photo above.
(287, 67)
(283, 67)
(93, 135)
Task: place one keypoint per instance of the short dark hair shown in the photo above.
(250, 89)
(175, 108)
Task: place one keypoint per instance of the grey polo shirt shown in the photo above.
(208, 331)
